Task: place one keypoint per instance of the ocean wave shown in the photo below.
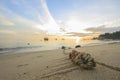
(6, 50)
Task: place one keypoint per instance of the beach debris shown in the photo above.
(77, 46)
(63, 47)
(28, 43)
(84, 60)
(24, 73)
(46, 66)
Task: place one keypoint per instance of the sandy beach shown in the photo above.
(54, 65)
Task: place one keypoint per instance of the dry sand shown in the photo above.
(54, 65)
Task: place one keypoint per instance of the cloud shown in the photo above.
(43, 19)
(4, 21)
(14, 19)
(31, 9)
(78, 34)
(76, 22)
(7, 32)
(103, 29)
(49, 24)
(28, 12)
(24, 26)
(91, 14)
(8, 23)
(12, 16)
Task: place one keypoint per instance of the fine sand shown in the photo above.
(54, 65)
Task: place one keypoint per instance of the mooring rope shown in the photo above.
(108, 66)
(102, 64)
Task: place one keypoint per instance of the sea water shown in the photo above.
(31, 46)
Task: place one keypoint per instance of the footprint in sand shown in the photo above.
(21, 65)
(39, 56)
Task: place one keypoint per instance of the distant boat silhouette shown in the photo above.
(63, 39)
(55, 38)
(77, 46)
(46, 39)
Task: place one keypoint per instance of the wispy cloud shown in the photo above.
(4, 21)
(103, 29)
(7, 32)
(76, 22)
(79, 34)
(35, 17)
(16, 20)
(7, 23)
(49, 24)
(29, 9)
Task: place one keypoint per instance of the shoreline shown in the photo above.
(29, 49)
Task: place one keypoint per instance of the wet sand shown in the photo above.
(54, 65)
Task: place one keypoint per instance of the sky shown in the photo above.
(59, 17)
